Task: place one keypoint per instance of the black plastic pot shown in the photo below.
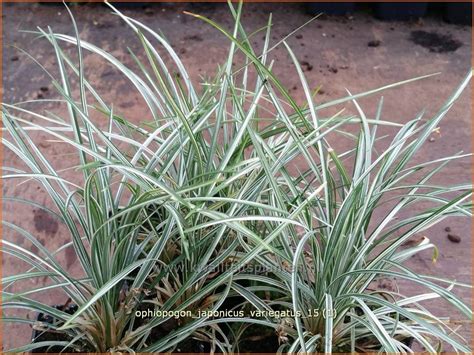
(128, 4)
(400, 11)
(408, 341)
(459, 13)
(41, 335)
(51, 3)
(266, 344)
(330, 8)
(186, 346)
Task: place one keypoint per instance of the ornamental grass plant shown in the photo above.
(231, 198)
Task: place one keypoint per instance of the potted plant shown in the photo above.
(459, 13)
(400, 11)
(331, 8)
(195, 231)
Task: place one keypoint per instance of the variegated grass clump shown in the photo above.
(211, 184)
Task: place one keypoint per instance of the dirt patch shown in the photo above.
(44, 222)
(194, 38)
(306, 66)
(71, 256)
(454, 238)
(435, 42)
(374, 43)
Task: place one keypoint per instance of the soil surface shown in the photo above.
(357, 53)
